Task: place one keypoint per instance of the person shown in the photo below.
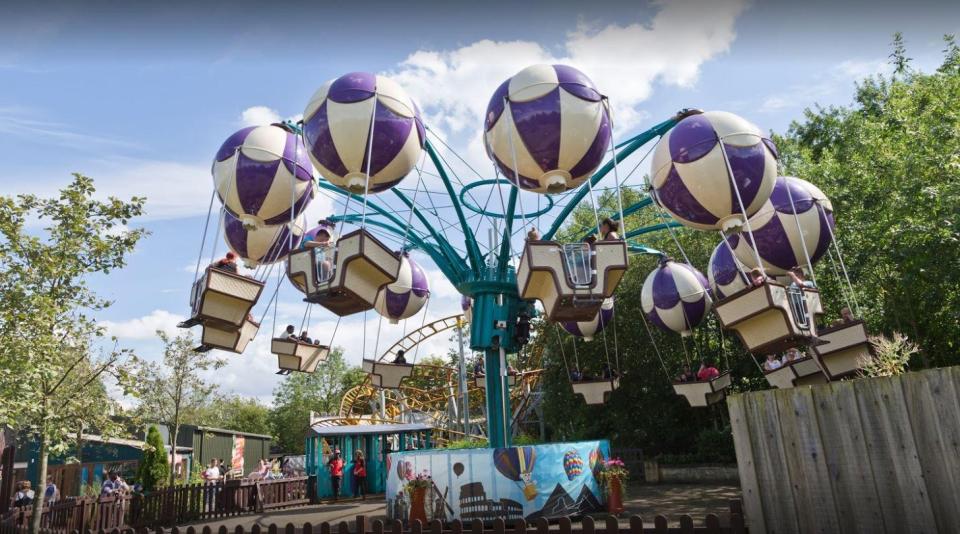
(608, 373)
(321, 245)
(212, 473)
(305, 338)
(687, 375)
(772, 363)
(400, 357)
(608, 230)
(585, 375)
(799, 279)
(359, 475)
(24, 495)
(291, 333)
(533, 234)
(114, 485)
(590, 239)
(757, 278)
(575, 375)
(707, 371)
(846, 316)
(222, 468)
(793, 354)
(51, 493)
(227, 263)
(478, 368)
(336, 473)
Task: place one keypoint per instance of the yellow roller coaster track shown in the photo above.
(430, 390)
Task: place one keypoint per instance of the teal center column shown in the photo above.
(498, 399)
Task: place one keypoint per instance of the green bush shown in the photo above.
(713, 446)
(465, 444)
(154, 468)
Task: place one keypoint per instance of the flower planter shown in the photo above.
(615, 496)
(418, 509)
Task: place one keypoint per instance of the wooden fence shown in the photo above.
(609, 525)
(868, 455)
(172, 506)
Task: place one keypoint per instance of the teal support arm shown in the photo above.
(473, 250)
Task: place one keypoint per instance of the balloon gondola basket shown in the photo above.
(571, 280)
(703, 393)
(765, 319)
(843, 350)
(595, 391)
(346, 279)
(295, 355)
(481, 381)
(387, 375)
(227, 337)
(802, 372)
(222, 297)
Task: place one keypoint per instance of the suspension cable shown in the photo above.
(203, 240)
(836, 246)
(803, 240)
(562, 352)
(743, 209)
(653, 342)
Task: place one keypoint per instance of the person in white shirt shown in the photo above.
(772, 363)
(115, 484)
(212, 474)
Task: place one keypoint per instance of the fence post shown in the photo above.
(343, 528)
(636, 525)
(587, 525)
(712, 523)
(660, 525)
(565, 525)
(361, 524)
(613, 525)
(686, 524)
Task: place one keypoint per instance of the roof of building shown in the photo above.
(353, 430)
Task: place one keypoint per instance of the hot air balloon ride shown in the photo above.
(547, 130)
(264, 244)
(405, 297)
(593, 389)
(517, 463)
(713, 171)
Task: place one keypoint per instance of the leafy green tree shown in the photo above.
(173, 390)
(302, 393)
(890, 163)
(48, 370)
(154, 468)
(234, 412)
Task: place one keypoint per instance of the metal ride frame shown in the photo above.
(491, 282)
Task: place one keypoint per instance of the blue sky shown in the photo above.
(140, 97)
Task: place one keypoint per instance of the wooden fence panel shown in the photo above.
(848, 465)
(869, 455)
(933, 404)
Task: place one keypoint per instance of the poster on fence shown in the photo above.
(236, 458)
(551, 480)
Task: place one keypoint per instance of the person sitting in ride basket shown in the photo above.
(478, 368)
(533, 235)
(608, 230)
(707, 371)
(227, 263)
(400, 357)
(793, 354)
(608, 373)
(291, 333)
(846, 316)
(772, 363)
(687, 375)
(305, 338)
(757, 278)
(575, 376)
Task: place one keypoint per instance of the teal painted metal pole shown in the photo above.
(503, 260)
(453, 258)
(473, 250)
(628, 211)
(630, 148)
(652, 228)
(498, 399)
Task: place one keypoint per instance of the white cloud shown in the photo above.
(830, 83)
(24, 122)
(259, 116)
(142, 328)
(454, 86)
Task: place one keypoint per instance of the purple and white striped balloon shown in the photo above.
(689, 172)
(675, 297)
(405, 297)
(776, 232)
(588, 329)
(266, 244)
(336, 124)
(260, 171)
(548, 127)
(725, 271)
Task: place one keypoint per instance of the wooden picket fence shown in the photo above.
(588, 525)
(171, 506)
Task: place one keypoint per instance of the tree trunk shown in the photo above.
(41, 488)
(173, 454)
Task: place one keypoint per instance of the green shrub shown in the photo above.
(465, 444)
(154, 468)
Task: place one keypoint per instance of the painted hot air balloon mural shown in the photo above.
(596, 462)
(516, 463)
(458, 469)
(258, 170)
(547, 128)
(572, 464)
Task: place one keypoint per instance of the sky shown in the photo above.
(140, 96)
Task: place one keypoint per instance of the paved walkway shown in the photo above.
(647, 501)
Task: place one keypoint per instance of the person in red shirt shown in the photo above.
(707, 371)
(359, 475)
(336, 473)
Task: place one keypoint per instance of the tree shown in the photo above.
(154, 468)
(302, 393)
(174, 390)
(49, 372)
(236, 413)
